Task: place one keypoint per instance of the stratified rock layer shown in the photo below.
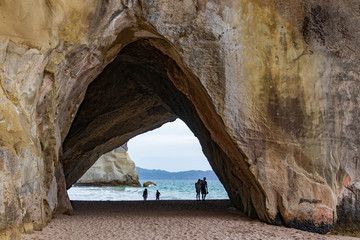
(114, 168)
(270, 88)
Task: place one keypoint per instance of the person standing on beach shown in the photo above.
(157, 195)
(145, 194)
(197, 188)
(204, 189)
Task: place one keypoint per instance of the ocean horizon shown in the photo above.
(169, 190)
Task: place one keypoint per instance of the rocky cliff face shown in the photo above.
(114, 168)
(270, 88)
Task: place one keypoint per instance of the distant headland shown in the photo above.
(147, 174)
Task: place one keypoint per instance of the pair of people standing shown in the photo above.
(201, 187)
(145, 194)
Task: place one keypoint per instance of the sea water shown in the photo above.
(169, 190)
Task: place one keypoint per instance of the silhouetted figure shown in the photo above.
(157, 195)
(204, 189)
(145, 194)
(197, 188)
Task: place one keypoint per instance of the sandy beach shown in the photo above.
(213, 219)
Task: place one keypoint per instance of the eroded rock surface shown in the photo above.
(114, 168)
(270, 88)
(348, 211)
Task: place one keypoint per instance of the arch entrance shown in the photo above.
(143, 88)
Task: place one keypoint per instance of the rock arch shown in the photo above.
(270, 89)
(139, 91)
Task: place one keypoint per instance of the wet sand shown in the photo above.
(213, 219)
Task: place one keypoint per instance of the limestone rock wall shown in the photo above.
(112, 169)
(269, 87)
(289, 100)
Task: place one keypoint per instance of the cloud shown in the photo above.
(172, 147)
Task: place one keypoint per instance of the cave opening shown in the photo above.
(169, 156)
(142, 89)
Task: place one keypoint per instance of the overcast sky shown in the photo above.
(172, 147)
